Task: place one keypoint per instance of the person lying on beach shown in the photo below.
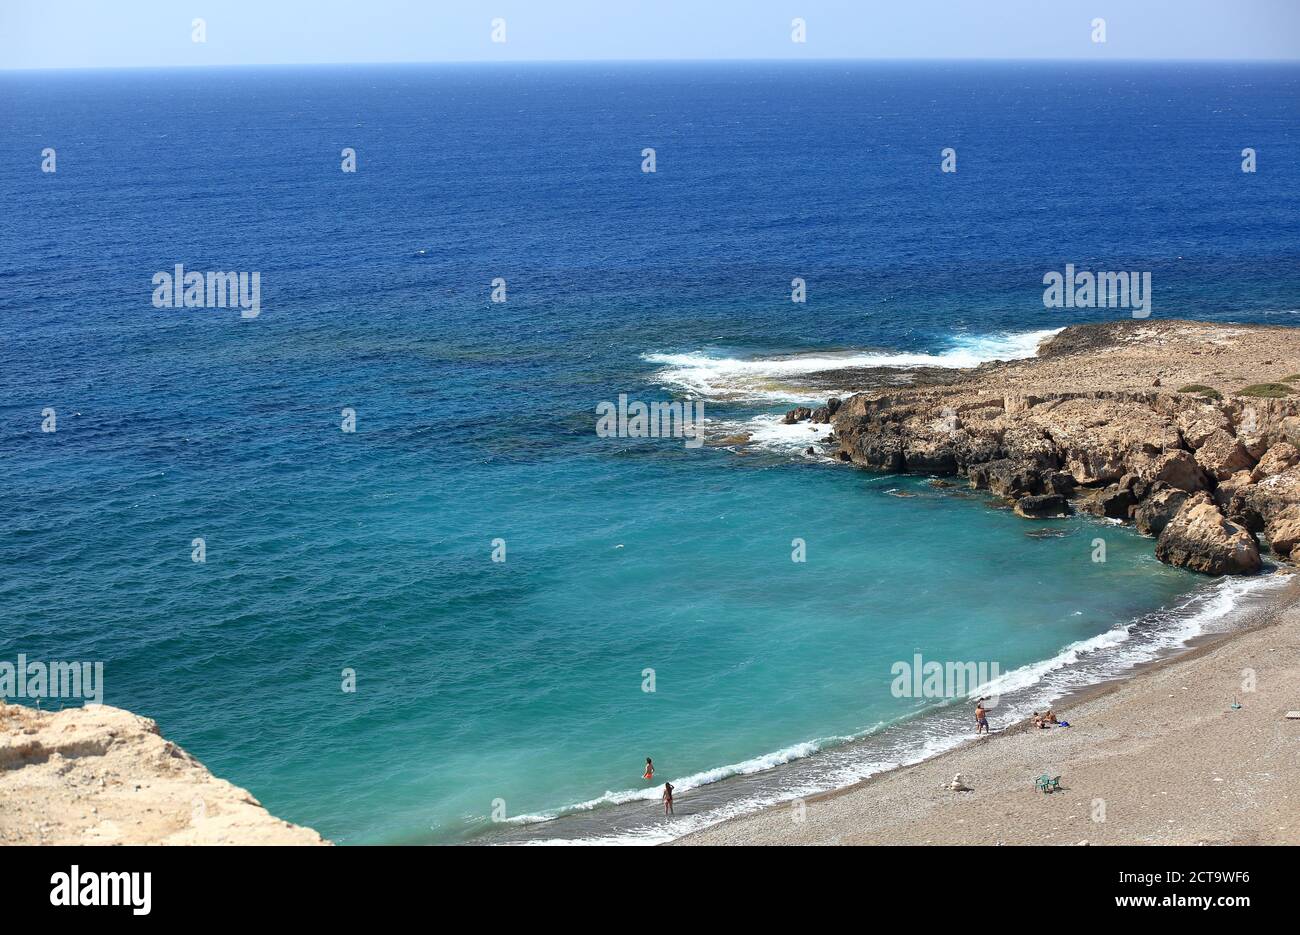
(668, 798)
(649, 769)
(981, 718)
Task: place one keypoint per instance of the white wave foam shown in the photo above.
(1203, 612)
(845, 775)
(756, 764)
(1207, 610)
(768, 431)
(759, 378)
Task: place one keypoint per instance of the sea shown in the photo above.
(362, 550)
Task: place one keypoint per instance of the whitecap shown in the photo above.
(763, 378)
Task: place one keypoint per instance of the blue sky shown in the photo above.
(112, 33)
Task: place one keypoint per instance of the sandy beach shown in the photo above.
(1158, 758)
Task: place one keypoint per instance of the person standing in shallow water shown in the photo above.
(981, 718)
(668, 798)
(649, 769)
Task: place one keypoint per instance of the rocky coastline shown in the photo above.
(1190, 431)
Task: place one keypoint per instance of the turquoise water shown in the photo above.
(521, 682)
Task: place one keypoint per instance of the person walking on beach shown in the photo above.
(981, 718)
(668, 798)
(649, 769)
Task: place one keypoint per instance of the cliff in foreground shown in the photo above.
(1189, 430)
(102, 775)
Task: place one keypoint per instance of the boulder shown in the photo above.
(1229, 496)
(1154, 513)
(1277, 459)
(1271, 495)
(1042, 506)
(821, 415)
(1006, 478)
(1222, 455)
(1254, 443)
(884, 452)
(1199, 423)
(1115, 502)
(1135, 485)
(1179, 469)
(871, 444)
(797, 414)
(1289, 429)
(1059, 482)
(1199, 538)
(1283, 532)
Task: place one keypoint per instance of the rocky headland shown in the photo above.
(102, 775)
(1188, 430)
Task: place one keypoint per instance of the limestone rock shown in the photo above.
(1283, 532)
(1229, 495)
(1179, 469)
(1006, 478)
(1272, 495)
(1200, 422)
(1115, 502)
(1042, 506)
(1277, 459)
(1099, 438)
(102, 775)
(1059, 482)
(1095, 418)
(1154, 513)
(1201, 539)
(1222, 455)
(930, 456)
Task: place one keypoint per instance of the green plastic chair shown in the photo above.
(1046, 783)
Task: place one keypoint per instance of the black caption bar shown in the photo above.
(138, 886)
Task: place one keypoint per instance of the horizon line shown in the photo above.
(668, 61)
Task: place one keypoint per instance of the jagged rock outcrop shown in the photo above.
(1154, 513)
(1096, 419)
(1200, 538)
(1222, 454)
(1042, 506)
(1277, 459)
(102, 775)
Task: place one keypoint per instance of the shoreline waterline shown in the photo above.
(826, 767)
(1112, 761)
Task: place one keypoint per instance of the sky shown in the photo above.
(154, 33)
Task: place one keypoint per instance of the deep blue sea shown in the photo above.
(517, 686)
